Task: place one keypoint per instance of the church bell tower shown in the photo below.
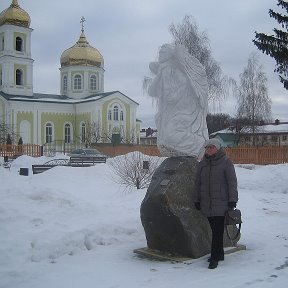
(82, 69)
(16, 64)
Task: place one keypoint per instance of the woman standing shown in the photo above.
(216, 192)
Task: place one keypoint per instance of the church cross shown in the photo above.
(82, 23)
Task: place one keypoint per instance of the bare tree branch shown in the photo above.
(130, 171)
(253, 102)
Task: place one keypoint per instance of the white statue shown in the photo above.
(181, 90)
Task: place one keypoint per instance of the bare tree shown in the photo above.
(120, 136)
(253, 102)
(129, 137)
(130, 169)
(91, 134)
(187, 34)
(6, 130)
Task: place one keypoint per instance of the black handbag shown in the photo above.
(233, 217)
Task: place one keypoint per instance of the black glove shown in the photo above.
(197, 205)
(231, 205)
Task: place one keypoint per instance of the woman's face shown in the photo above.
(210, 150)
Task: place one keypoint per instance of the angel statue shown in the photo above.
(180, 88)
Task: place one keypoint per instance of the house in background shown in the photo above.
(270, 134)
(148, 136)
(82, 103)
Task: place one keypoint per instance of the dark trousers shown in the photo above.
(217, 227)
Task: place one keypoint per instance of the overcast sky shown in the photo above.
(128, 33)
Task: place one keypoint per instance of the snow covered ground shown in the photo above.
(75, 227)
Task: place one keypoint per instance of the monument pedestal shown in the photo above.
(172, 224)
(161, 256)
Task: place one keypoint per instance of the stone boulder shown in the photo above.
(170, 221)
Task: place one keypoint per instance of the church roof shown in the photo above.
(81, 54)
(15, 15)
(54, 98)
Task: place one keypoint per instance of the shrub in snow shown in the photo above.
(134, 169)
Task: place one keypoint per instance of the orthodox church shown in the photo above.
(82, 108)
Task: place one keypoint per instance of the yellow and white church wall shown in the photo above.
(82, 100)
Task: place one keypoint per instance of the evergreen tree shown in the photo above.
(277, 45)
(20, 142)
(9, 140)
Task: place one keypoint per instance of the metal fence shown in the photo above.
(59, 146)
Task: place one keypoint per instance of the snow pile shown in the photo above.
(72, 227)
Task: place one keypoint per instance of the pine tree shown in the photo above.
(277, 45)
(9, 140)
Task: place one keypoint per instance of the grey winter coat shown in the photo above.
(216, 184)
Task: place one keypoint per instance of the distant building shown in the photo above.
(82, 104)
(270, 134)
(148, 136)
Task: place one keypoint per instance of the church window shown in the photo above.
(19, 77)
(19, 44)
(93, 83)
(65, 83)
(48, 133)
(116, 113)
(83, 132)
(67, 132)
(121, 116)
(109, 115)
(77, 82)
(0, 77)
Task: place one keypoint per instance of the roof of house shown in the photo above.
(263, 129)
(55, 98)
(149, 134)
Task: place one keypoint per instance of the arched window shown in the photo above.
(65, 83)
(67, 132)
(121, 116)
(25, 131)
(93, 83)
(19, 77)
(116, 113)
(48, 133)
(77, 82)
(109, 115)
(19, 44)
(83, 133)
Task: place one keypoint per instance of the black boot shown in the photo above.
(213, 264)
(220, 259)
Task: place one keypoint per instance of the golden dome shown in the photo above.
(81, 54)
(15, 15)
